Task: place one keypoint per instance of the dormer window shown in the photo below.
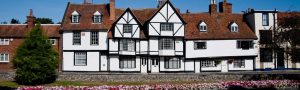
(75, 17)
(202, 27)
(234, 27)
(97, 17)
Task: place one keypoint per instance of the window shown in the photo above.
(76, 38)
(265, 36)
(75, 17)
(127, 62)
(4, 41)
(234, 27)
(266, 55)
(202, 27)
(80, 59)
(127, 45)
(127, 28)
(245, 44)
(97, 17)
(94, 38)
(265, 19)
(4, 57)
(166, 26)
(199, 45)
(208, 63)
(166, 44)
(51, 41)
(239, 63)
(172, 63)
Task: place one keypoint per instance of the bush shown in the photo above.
(35, 60)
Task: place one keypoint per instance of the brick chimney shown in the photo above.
(225, 7)
(112, 9)
(160, 3)
(213, 7)
(88, 1)
(30, 20)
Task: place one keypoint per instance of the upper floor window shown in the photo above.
(76, 38)
(172, 63)
(127, 28)
(94, 38)
(75, 17)
(80, 58)
(4, 41)
(245, 44)
(166, 44)
(234, 27)
(202, 27)
(199, 45)
(127, 62)
(265, 19)
(127, 45)
(51, 41)
(97, 17)
(4, 57)
(166, 26)
(265, 36)
(208, 63)
(239, 63)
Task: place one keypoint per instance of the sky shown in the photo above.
(55, 9)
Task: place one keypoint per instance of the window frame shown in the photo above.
(76, 38)
(239, 44)
(265, 19)
(94, 38)
(163, 44)
(203, 27)
(75, 58)
(75, 19)
(197, 43)
(4, 41)
(126, 30)
(208, 63)
(97, 19)
(166, 26)
(239, 63)
(5, 57)
(266, 55)
(50, 41)
(127, 59)
(130, 44)
(172, 63)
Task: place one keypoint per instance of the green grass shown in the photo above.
(77, 83)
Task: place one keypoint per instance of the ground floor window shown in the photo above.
(266, 55)
(208, 63)
(80, 58)
(127, 62)
(172, 63)
(239, 63)
(4, 57)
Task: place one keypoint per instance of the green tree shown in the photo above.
(14, 21)
(44, 21)
(35, 61)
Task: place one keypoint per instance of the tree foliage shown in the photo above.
(14, 21)
(35, 61)
(44, 21)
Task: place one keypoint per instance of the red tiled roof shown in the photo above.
(20, 31)
(282, 15)
(217, 26)
(86, 12)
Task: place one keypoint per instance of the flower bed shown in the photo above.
(204, 86)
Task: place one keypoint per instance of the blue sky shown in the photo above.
(54, 9)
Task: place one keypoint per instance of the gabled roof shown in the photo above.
(86, 13)
(20, 30)
(217, 27)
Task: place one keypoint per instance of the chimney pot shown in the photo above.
(30, 20)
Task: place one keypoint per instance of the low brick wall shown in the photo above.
(136, 77)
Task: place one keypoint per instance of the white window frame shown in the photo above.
(196, 45)
(94, 38)
(80, 58)
(172, 63)
(234, 27)
(239, 63)
(4, 41)
(4, 57)
(127, 28)
(250, 42)
(166, 27)
(202, 27)
(51, 41)
(265, 19)
(127, 45)
(127, 62)
(208, 63)
(166, 44)
(75, 17)
(76, 38)
(97, 17)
